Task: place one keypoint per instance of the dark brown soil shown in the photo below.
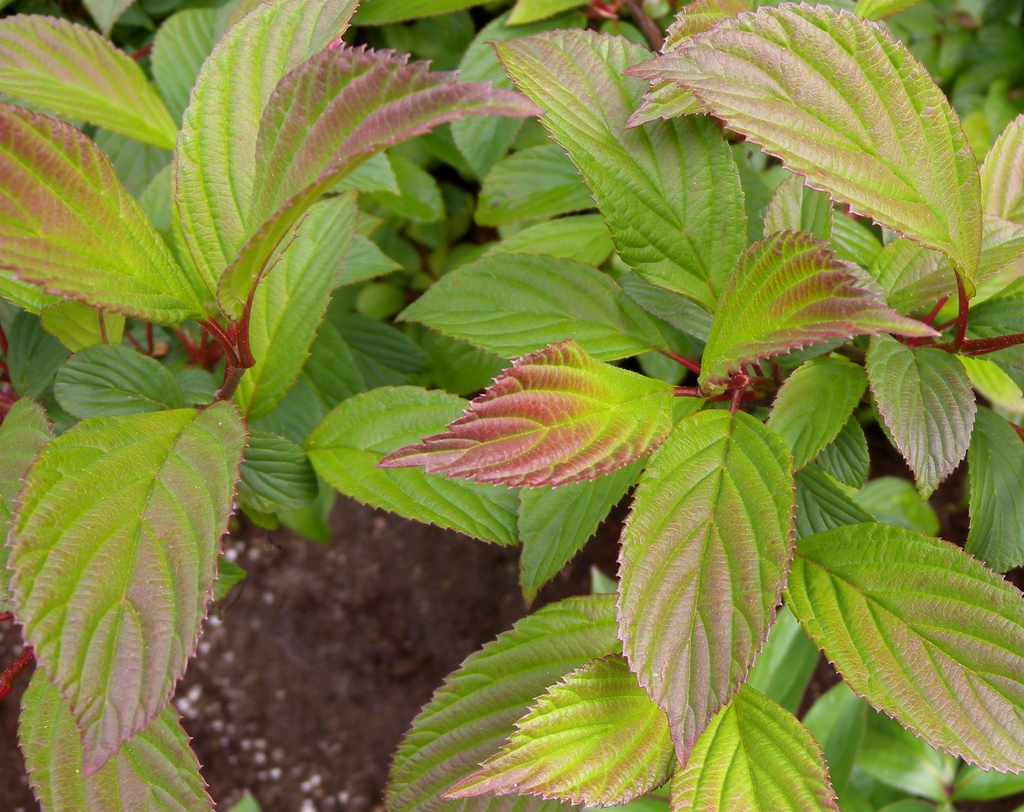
(310, 673)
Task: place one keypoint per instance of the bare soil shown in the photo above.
(309, 673)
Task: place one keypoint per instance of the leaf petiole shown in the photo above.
(14, 669)
(693, 366)
(961, 316)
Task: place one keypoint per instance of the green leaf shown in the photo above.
(514, 304)
(996, 460)
(326, 118)
(973, 784)
(472, 716)
(458, 367)
(914, 277)
(796, 207)
(483, 140)
(383, 356)
(79, 326)
(754, 756)
(112, 380)
(846, 457)
(313, 521)
(363, 261)
(785, 664)
(379, 12)
(418, 197)
(1002, 180)
(555, 523)
(276, 474)
(66, 223)
(667, 99)
(106, 12)
(375, 175)
(838, 721)
(33, 356)
(180, 47)
(894, 756)
(821, 503)
(135, 163)
(886, 142)
(290, 304)
(593, 738)
(891, 500)
(832, 387)
(581, 238)
(23, 432)
(198, 387)
(228, 574)
(670, 190)
(534, 182)
(72, 71)
(329, 377)
(699, 16)
(24, 294)
(925, 399)
(789, 291)
(156, 769)
(528, 11)
(114, 551)
(853, 241)
(347, 445)
(679, 311)
(926, 633)
(704, 556)
(215, 162)
(556, 416)
(877, 9)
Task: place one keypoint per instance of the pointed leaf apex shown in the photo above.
(557, 416)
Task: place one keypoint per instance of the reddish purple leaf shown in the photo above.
(557, 416)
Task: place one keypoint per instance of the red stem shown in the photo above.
(134, 341)
(149, 338)
(737, 396)
(142, 52)
(983, 346)
(15, 668)
(935, 310)
(647, 25)
(5, 616)
(103, 329)
(7, 400)
(961, 315)
(679, 359)
(237, 355)
(687, 392)
(1018, 429)
(242, 334)
(195, 355)
(3, 341)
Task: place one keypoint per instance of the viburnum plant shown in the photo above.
(743, 480)
(796, 322)
(116, 525)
